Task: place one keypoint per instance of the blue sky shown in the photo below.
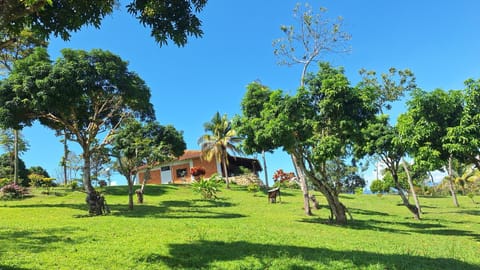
(438, 40)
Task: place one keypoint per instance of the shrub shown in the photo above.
(358, 190)
(12, 191)
(73, 184)
(206, 187)
(253, 188)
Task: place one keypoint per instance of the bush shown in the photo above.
(207, 188)
(253, 188)
(358, 190)
(73, 184)
(12, 191)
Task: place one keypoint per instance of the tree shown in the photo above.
(83, 93)
(168, 19)
(6, 169)
(380, 139)
(310, 38)
(379, 186)
(303, 44)
(318, 125)
(220, 139)
(425, 128)
(138, 144)
(463, 140)
(247, 125)
(39, 171)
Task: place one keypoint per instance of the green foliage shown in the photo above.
(39, 171)
(379, 186)
(220, 138)
(168, 19)
(253, 188)
(6, 169)
(207, 188)
(358, 191)
(73, 184)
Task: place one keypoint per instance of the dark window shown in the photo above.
(165, 168)
(181, 172)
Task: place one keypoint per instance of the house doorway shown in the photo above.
(166, 175)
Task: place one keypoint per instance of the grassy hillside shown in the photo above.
(174, 229)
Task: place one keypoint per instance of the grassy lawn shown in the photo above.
(174, 229)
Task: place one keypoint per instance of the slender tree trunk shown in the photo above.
(65, 157)
(130, 192)
(225, 171)
(265, 167)
(450, 183)
(15, 156)
(413, 209)
(87, 183)
(303, 184)
(412, 189)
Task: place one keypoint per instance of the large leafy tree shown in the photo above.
(168, 19)
(425, 128)
(83, 93)
(248, 124)
(138, 144)
(219, 140)
(383, 141)
(6, 169)
(308, 40)
(318, 125)
(463, 140)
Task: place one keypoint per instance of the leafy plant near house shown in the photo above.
(206, 187)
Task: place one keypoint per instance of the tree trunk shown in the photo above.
(15, 156)
(265, 168)
(65, 157)
(303, 184)
(450, 183)
(225, 171)
(87, 182)
(130, 192)
(412, 189)
(412, 208)
(337, 209)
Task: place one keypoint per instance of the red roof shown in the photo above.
(189, 154)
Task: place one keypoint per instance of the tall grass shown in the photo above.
(176, 229)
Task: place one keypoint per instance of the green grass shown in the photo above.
(175, 229)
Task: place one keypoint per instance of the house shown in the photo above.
(178, 171)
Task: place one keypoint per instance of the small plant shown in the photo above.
(358, 191)
(471, 195)
(12, 191)
(73, 185)
(253, 188)
(206, 187)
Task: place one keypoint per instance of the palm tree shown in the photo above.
(220, 139)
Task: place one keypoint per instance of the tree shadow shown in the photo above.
(154, 190)
(177, 209)
(202, 254)
(38, 241)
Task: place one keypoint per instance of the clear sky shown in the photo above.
(438, 40)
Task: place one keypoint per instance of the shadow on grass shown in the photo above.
(201, 255)
(37, 241)
(153, 190)
(6, 267)
(178, 209)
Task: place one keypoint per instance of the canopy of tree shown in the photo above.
(168, 19)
